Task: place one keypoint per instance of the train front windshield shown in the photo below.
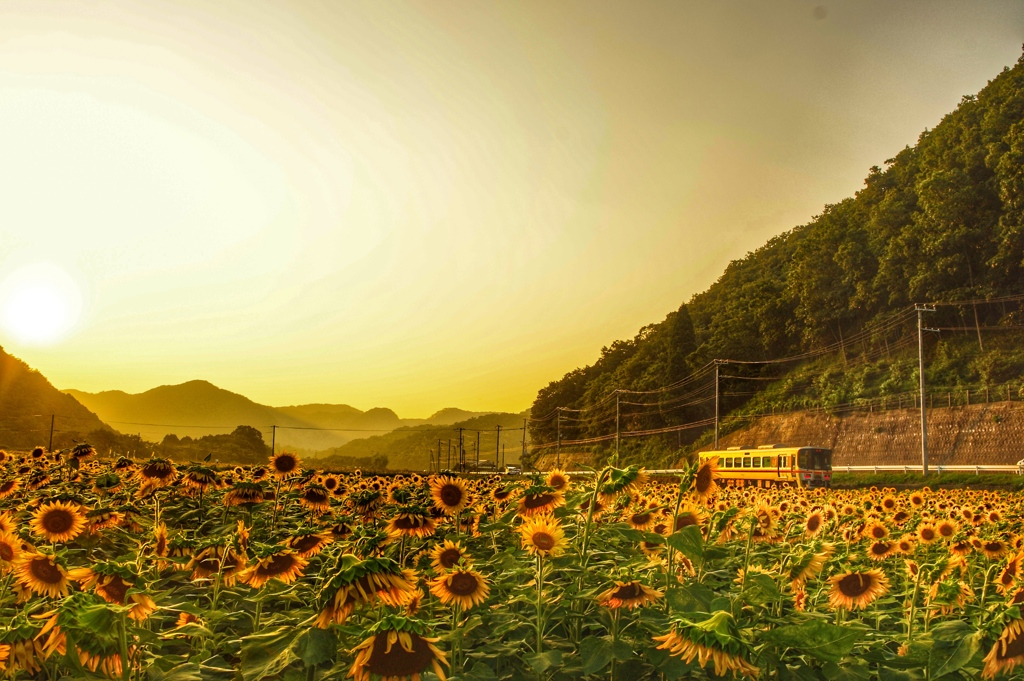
(815, 459)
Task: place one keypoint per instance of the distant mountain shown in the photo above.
(198, 408)
(27, 402)
(412, 447)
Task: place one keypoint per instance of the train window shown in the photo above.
(746, 462)
(784, 461)
(728, 462)
(766, 462)
(757, 462)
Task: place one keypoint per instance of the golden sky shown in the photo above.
(428, 204)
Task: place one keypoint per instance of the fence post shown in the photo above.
(968, 397)
(949, 399)
(986, 394)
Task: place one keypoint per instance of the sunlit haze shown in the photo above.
(421, 205)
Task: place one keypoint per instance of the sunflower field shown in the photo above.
(151, 570)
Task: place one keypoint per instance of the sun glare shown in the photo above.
(39, 303)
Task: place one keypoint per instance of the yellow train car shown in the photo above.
(773, 466)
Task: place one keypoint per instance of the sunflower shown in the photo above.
(316, 498)
(881, 549)
(10, 551)
(110, 583)
(904, 545)
(856, 590)
(949, 596)
(158, 473)
(411, 521)
(917, 499)
(7, 524)
(875, 530)
(813, 523)
(285, 566)
(57, 522)
(712, 640)
(284, 465)
(42, 574)
(217, 558)
(704, 485)
(629, 595)
(9, 487)
(449, 494)
(201, 479)
(1010, 573)
(688, 515)
(809, 565)
(309, 544)
(462, 586)
(542, 536)
(361, 582)
(926, 533)
(946, 529)
(643, 518)
(539, 500)
(558, 480)
(244, 493)
(447, 555)
(994, 549)
(1007, 652)
(379, 656)
(622, 481)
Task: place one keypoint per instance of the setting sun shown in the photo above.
(39, 303)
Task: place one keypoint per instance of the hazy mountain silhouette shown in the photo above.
(197, 408)
(27, 401)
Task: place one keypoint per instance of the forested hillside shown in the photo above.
(940, 221)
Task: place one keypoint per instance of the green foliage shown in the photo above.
(942, 221)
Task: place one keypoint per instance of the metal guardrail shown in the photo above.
(976, 469)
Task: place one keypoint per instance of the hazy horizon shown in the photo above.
(423, 205)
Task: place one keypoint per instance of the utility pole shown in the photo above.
(273, 439)
(522, 458)
(558, 440)
(462, 452)
(478, 450)
(439, 455)
(920, 372)
(52, 418)
(616, 427)
(716, 404)
(497, 443)
(449, 466)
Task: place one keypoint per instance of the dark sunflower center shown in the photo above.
(501, 495)
(278, 565)
(303, 544)
(315, 496)
(946, 530)
(685, 520)
(58, 521)
(6, 552)
(901, 516)
(641, 518)
(855, 584)
(284, 464)
(409, 522)
(451, 495)
(45, 571)
(557, 481)
(533, 501)
(927, 534)
(543, 541)
(628, 592)
(889, 504)
(7, 486)
(1018, 597)
(397, 663)
(463, 584)
(1014, 648)
(993, 546)
(115, 591)
(449, 557)
(877, 532)
(814, 522)
(704, 479)
(880, 548)
(330, 483)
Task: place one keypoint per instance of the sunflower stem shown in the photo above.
(540, 603)
(671, 553)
